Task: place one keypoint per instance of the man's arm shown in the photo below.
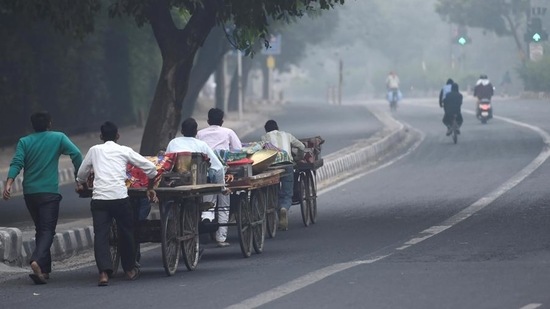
(234, 141)
(296, 142)
(85, 168)
(70, 149)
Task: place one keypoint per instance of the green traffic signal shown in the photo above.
(536, 37)
(462, 40)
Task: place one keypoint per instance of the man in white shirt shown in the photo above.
(219, 138)
(110, 199)
(189, 143)
(284, 141)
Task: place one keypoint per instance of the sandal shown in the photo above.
(133, 274)
(37, 276)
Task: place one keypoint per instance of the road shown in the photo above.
(447, 226)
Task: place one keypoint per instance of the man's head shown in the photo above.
(41, 121)
(215, 117)
(189, 127)
(109, 132)
(271, 125)
(450, 81)
(483, 76)
(454, 87)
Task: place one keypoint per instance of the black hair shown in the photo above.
(454, 87)
(41, 121)
(215, 117)
(109, 131)
(189, 127)
(271, 125)
(450, 81)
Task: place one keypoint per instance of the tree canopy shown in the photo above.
(180, 27)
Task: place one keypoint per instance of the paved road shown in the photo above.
(447, 226)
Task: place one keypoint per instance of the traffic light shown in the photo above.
(461, 36)
(535, 33)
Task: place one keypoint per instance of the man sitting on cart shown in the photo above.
(219, 138)
(284, 141)
(189, 143)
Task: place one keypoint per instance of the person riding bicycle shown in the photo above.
(444, 91)
(483, 90)
(451, 105)
(392, 86)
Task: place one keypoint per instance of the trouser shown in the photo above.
(44, 210)
(103, 212)
(448, 119)
(221, 202)
(287, 187)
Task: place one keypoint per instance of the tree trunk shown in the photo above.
(208, 57)
(220, 85)
(178, 49)
(233, 99)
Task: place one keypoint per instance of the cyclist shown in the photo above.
(392, 86)
(451, 106)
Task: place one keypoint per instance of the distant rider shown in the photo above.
(483, 90)
(392, 85)
(451, 106)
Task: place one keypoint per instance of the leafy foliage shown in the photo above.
(536, 75)
(492, 15)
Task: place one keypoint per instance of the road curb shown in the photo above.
(16, 252)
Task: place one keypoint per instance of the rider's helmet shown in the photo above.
(483, 76)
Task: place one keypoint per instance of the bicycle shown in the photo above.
(454, 129)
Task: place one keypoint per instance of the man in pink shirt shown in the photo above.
(219, 138)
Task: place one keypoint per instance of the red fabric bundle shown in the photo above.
(138, 179)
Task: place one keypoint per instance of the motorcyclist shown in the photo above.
(451, 106)
(483, 90)
(444, 91)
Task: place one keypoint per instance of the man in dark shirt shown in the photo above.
(451, 105)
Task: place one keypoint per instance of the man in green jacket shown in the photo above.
(38, 155)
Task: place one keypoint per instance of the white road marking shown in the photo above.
(318, 275)
(531, 306)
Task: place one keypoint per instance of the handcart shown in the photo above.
(253, 202)
(305, 181)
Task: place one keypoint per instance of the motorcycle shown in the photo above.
(485, 110)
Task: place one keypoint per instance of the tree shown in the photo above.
(178, 44)
(503, 17)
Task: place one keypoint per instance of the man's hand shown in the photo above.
(152, 195)
(79, 187)
(7, 192)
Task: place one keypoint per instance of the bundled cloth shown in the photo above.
(138, 179)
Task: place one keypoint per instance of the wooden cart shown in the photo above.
(253, 202)
(177, 229)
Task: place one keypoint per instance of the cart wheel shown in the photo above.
(258, 209)
(271, 216)
(169, 237)
(113, 248)
(243, 224)
(303, 185)
(190, 233)
(311, 196)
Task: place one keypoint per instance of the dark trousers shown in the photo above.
(448, 119)
(44, 210)
(103, 212)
